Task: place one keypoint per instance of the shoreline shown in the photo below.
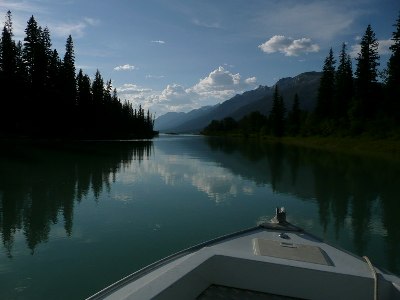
(363, 145)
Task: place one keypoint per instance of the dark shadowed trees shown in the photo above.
(42, 97)
(294, 117)
(367, 99)
(277, 114)
(343, 88)
(393, 79)
(324, 107)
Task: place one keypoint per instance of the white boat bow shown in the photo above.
(275, 260)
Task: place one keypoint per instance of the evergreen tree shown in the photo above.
(68, 99)
(343, 87)
(98, 88)
(367, 88)
(31, 50)
(7, 50)
(326, 89)
(42, 96)
(84, 102)
(294, 117)
(98, 99)
(393, 79)
(35, 50)
(277, 114)
(8, 68)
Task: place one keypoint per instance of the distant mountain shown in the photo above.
(171, 120)
(305, 85)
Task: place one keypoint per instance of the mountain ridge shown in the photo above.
(260, 99)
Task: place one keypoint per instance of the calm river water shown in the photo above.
(75, 218)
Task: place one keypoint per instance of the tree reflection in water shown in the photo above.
(40, 182)
(352, 192)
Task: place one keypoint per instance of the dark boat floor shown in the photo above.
(216, 292)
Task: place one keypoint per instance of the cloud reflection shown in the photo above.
(218, 183)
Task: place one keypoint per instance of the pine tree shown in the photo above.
(98, 100)
(7, 50)
(42, 96)
(277, 114)
(68, 70)
(367, 89)
(393, 79)
(294, 117)
(8, 66)
(84, 102)
(31, 50)
(343, 87)
(324, 107)
(68, 88)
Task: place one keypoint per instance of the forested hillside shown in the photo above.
(363, 102)
(42, 95)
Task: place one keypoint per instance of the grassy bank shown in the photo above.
(366, 146)
(362, 145)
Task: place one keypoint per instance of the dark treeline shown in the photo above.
(43, 96)
(347, 104)
(41, 183)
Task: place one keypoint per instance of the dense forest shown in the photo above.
(364, 103)
(42, 95)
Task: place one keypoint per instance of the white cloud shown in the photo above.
(384, 45)
(25, 6)
(319, 19)
(76, 29)
(251, 80)
(383, 48)
(221, 84)
(288, 46)
(149, 76)
(218, 86)
(158, 42)
(91, 21)
(126, 67)
(215, 25)
(174, 93)
(130, 88)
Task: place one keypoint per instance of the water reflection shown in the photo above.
(352, 193)
(40, 183)
(355, 197)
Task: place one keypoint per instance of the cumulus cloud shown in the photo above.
(126, 67)
(217, 86)
(175, 94)
(222, 84)
(251, 80)
(288, 46)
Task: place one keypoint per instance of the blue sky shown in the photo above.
(177, 55)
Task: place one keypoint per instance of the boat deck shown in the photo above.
(261, 260)
(218, 292)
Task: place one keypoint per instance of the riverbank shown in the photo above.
(361, 145)
(366, 146)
